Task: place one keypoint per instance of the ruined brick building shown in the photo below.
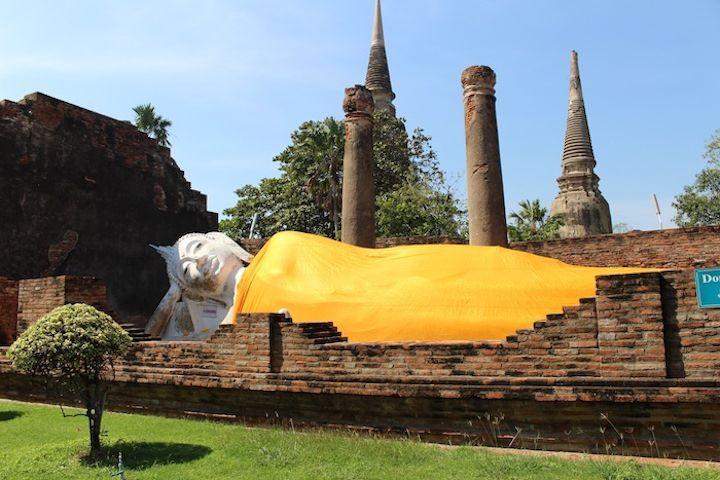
(84, 194)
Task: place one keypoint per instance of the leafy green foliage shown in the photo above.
(416, 208)
(313, 164)
(146, 120)
(280, 205)
(413, 196)
(71, 341)
(72, 348)
(533, 223)
(699, 204)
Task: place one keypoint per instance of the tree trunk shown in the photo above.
(95, 406)
(336, 224)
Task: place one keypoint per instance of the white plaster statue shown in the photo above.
(203, 269)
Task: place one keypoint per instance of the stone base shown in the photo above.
(585, 213)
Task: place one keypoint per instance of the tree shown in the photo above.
(314, 161)
(416, 209)
(73, 349)
(533, 223)
(280, 205)
(146, 120)
(308, 192)
(699, 204)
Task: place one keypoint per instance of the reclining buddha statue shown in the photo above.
(406, 293)
(203, 270)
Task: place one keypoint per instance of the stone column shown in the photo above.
(486, 201)
(358, 190)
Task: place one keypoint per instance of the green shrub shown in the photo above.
(73, 349)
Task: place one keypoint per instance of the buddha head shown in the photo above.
(204, 265)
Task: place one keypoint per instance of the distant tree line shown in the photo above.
(413, 194)
(699, 203)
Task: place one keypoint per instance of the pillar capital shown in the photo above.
(358, 102)
(478, 80)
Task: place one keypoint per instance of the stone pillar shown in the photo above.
(486, 201)
(358, 190)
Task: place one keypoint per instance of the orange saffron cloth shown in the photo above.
(411, 293)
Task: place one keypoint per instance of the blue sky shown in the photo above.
(237, 77)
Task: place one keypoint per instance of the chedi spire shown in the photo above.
(582, 206)
(378, 72)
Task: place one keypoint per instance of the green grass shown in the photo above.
(36, 442)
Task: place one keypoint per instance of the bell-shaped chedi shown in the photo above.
(582, 206)
(378, 72)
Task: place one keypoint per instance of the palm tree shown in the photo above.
(160, 131)
(532, 222)
(146, 120)
(323, 144)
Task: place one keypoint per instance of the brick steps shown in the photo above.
(138, 334)
(321, 333)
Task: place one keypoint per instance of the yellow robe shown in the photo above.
(411, 293)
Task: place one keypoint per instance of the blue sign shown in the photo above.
(707, 284)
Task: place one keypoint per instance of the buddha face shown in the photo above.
(206, 264)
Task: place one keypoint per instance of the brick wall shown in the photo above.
(654, 419)
(677, 248)
(692, 335)
(673, 248)
(39, 296)
(630, 325)
(89, 290)
(8, 310)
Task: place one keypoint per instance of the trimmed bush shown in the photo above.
(73, 349)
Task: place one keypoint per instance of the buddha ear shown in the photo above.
(169, 254)
(172, 261)
(244, 255)
(240, 252)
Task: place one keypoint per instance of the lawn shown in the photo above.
(36, 442)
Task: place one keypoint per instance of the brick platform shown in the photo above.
(632, 370)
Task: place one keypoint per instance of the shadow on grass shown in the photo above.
(143, 455)
(10, 415)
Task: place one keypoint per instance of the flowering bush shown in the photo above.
(73, 348)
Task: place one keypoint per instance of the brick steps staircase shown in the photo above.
(571, 316)
(138, 334)
(321, 333)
